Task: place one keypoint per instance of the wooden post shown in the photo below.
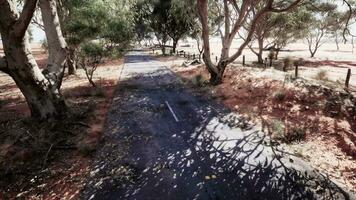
(352, 42)
(243, 60)
(199, 57)
(266, 60)
(347, 82)
(296, 70)
(216, 58)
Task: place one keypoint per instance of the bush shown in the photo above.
(322, 75)
(272, 55)
(292, 135)
(89, 58)
(279, 95)
(277, 129)
(287, 63)
(295, 134)
(198, 80)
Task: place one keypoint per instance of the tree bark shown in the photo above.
(175, 43)
(20, 64)
(71, 62)
(57, 46)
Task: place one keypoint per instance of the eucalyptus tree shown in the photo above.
(325, 18)
(40, 89)
(235, 17)
(289, 28)
(166, 19)
(181, 21)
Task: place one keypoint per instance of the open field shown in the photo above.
(336, 63)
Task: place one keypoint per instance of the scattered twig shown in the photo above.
(46, 157)
(81, 124)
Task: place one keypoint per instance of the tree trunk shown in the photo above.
(216, 78)
(57, 47)
(175, 43)
(71, 61)
(42, 99)
(277, 54)
(260, 50)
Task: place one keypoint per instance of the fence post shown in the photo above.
(266, 62)
(243, 60)
(296, 70)
(216, 58)
(348, 78)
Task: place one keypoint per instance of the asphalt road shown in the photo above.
(163, 142)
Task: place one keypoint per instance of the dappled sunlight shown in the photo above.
(209, 153)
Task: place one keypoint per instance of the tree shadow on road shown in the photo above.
(210, 153)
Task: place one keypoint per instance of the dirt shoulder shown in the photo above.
(50, 160)
(313, 121)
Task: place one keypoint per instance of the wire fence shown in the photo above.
(285, 65)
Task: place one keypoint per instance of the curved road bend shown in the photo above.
(162, 142)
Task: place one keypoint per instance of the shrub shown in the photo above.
(198, 80)
(277, 129)
(90, 56)
(322, 75)
(271, 55)
(98, 92)
(287, 63)
(279, 95)
(295, 134)
(292, 135)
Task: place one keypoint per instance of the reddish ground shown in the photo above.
(327, 130)
(50, 160)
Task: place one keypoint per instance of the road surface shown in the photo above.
(163, 142)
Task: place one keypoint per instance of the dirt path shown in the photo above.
(162, 142)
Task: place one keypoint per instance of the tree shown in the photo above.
(42, 96)
(235, 16)
(325, 17)
(181, 20)
(109, 21)
(288, 28)
(118, 31)
(90, 56)
(167, 19)
(84, 21)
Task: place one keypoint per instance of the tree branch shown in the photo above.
(23, 22)
(291, 6)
